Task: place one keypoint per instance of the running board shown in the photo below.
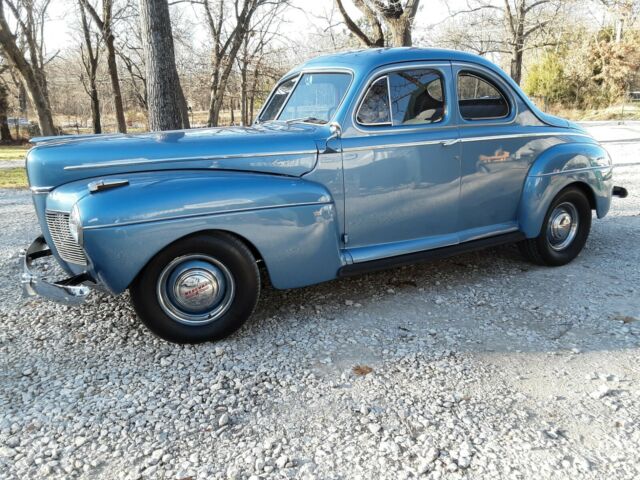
(426, 255)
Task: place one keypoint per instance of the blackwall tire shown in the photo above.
(201, 288)
(564, 231)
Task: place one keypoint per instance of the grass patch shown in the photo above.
(13, 178)
(12, 152)
(631, 111)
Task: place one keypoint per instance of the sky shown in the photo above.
(61, 30)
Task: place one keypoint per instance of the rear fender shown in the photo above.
(586, 165)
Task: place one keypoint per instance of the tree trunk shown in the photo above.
(243, 93)
(35, 90)
(115, 83)
(400, 32)
(167, 107)
(516, 64)
(5, 133)
(95, 109)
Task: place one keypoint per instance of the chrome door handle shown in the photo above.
(449, 143)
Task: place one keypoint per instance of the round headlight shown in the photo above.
(75, 226)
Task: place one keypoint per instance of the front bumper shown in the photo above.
(69, 291)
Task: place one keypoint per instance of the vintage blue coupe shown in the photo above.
(357, 161)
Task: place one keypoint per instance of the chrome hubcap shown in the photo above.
(195, 289)
(563, 226)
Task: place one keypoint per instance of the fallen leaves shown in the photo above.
(362, 370)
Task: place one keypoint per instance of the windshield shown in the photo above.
(312, 97)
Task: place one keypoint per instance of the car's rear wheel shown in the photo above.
(564, 231)
(199, 289)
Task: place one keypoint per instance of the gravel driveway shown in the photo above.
(481, 366)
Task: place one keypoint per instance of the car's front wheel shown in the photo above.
(564, 231)
(199, 289)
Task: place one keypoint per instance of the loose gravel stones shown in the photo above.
(478, 367)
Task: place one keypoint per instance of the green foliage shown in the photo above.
(594, 71)
(547, 79)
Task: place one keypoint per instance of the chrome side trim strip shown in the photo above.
(493, 233)
(392, 145)
(144, 161)
(573, 170)
(40, 190)
(464, 140)
(198, 215)
(520, 135)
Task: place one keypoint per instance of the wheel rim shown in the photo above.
(195, 289)
(562, 226)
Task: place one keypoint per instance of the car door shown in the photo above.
(497, 150)
(401, 163)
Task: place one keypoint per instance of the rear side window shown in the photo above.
(480, 99)
(374, 109)
(410, 97)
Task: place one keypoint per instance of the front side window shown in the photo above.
(416, 97)
(479, 99)
(315, 98)
(411, 97)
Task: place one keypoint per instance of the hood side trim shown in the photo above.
(201, 215)
(145, 161)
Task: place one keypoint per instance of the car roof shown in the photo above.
(371, 58)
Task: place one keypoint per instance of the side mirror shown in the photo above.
(336, 131)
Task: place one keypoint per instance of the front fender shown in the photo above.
(290, 221)
(586, 164)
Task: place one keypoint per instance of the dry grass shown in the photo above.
(13, 178)
(631, 111)
(12, 152)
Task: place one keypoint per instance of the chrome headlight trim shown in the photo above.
(75, 224)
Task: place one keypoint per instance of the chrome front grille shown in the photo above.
(66, 246)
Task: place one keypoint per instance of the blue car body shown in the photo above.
(310, 203)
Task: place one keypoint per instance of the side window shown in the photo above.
(374, 109)
(417, 97)
(480, 99)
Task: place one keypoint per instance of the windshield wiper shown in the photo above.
(306, 119)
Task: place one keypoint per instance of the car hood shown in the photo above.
(275, 148)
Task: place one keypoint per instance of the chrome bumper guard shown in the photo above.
(69, 291)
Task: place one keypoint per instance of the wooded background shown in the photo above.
(138, 65)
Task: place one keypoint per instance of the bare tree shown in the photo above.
(252, 57)
(514, 26)
(229, 22)
(105, 24)
(5, 133)
(90, 53)
(131, 52)
(624, 13)
(396, 16)
(167, 107)
(28, 59)
(137, 76)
